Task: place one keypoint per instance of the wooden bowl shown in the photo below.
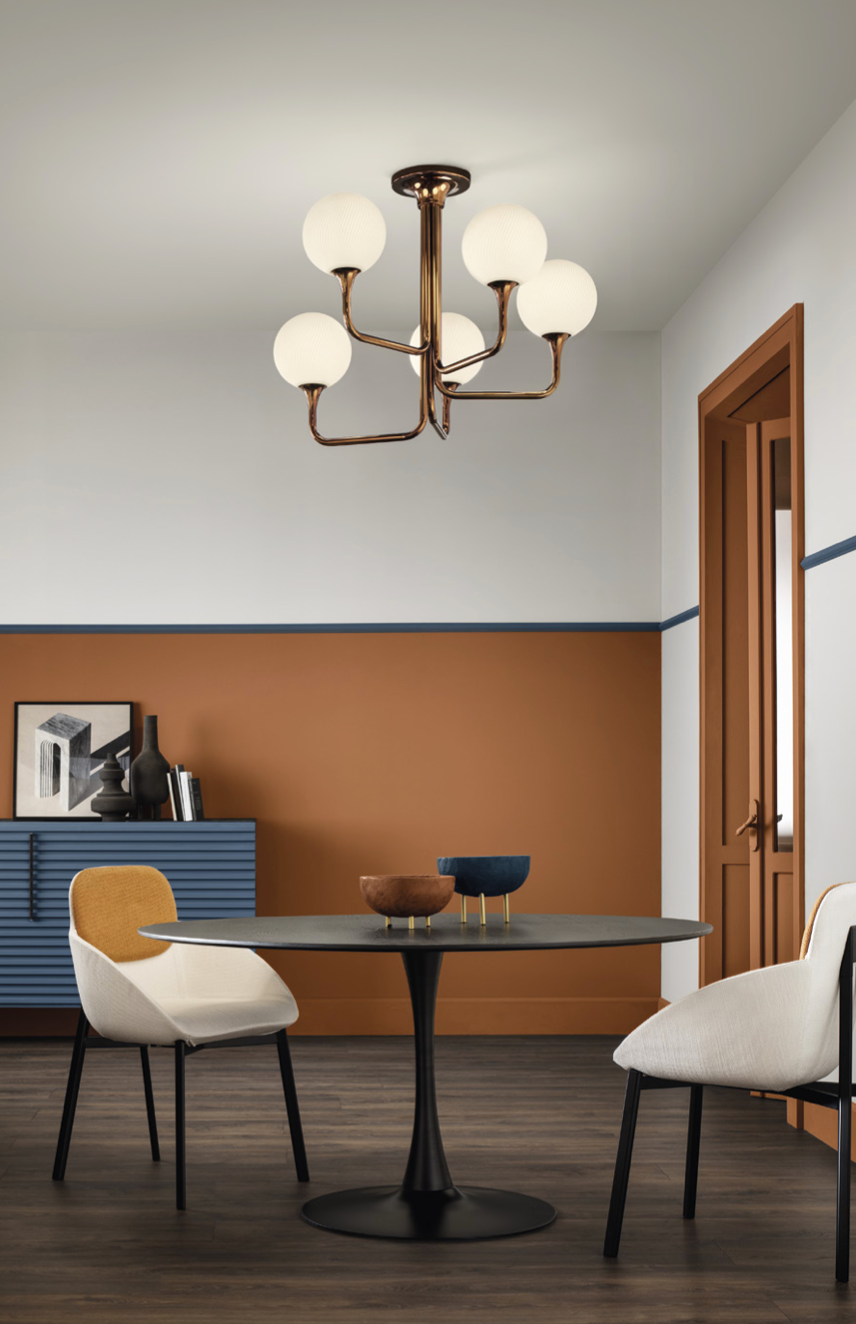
(401, 895)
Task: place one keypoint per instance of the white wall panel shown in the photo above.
(830, 725)
(680, 805)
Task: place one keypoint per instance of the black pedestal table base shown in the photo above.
(464, 1213)
(427, 1205)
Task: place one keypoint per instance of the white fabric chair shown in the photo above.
(782, 1029)
(136, 991)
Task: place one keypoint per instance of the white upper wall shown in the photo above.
(800, 249)
(171, 479)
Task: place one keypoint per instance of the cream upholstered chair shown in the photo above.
(138, 991)
(780, 1029)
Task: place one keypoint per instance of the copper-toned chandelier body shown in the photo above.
(431, 186)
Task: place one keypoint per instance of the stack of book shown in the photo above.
(185, 795)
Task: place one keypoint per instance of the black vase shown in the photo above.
(111, 802)
(149, 772)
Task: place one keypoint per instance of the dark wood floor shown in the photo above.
(538, 1115)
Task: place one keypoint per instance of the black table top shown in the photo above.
(366, 933)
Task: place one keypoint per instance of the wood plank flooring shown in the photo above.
(539, 1115)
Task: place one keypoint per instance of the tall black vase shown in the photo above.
(149, 772)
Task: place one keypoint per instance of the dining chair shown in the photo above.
(137, 992)
(782, 1030)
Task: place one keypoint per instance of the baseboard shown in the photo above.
(663, 1002)
(823, 1124)
(361, 1016)
(477, 1015)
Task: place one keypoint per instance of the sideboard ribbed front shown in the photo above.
(211, 866)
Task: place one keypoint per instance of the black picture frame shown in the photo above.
(121, 743)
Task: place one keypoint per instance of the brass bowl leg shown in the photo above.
(388, 924)
(427, 921)
(463, 910)
(411, 922)
(482, 915)
(506, 909)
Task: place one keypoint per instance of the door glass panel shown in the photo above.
(784, 658)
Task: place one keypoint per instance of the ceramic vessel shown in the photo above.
(111, 802)
(407, 896)
(486, 875)
(149, 772)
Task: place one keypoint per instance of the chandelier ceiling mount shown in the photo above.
(436, 181)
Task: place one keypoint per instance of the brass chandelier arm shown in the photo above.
(556, 342)
(502, 290)
(313, 395)
(447, 408)
(346, 277)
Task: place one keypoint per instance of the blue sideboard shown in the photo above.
(211, 866)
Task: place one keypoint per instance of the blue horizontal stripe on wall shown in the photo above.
(829, 553)
(688, 615)
(402, 627)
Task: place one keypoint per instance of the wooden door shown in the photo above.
(752, 737)
(729, 861)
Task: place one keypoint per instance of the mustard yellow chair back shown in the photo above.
(108, 905)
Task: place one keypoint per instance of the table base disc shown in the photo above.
(465, 1213)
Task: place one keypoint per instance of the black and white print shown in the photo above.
(60, 749)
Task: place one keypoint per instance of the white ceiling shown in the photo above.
(157, 157)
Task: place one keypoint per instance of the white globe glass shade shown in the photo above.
(561, 299)
(344, 230)
(312, 349)
(460, 338)
(504, 243)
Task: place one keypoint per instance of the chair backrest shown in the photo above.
(108, 905)
(832, 917)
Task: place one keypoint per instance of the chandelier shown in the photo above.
(504, 247)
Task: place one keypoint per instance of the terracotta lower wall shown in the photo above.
(374, 753)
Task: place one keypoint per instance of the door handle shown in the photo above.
(32, 877)
(751, 822)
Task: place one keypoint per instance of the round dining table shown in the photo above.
(427, 1205)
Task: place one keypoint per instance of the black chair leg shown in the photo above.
(693, 1144)
(72, 1090)
(180, 1147)
(842, 1221)
(150, 1103)
(622, 1164)
(292, 1107)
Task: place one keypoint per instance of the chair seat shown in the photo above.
(205, 1020)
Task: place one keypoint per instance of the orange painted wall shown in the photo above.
(374, 753)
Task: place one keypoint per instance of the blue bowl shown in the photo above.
(492, 875)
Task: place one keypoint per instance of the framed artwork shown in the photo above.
(59, 751)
